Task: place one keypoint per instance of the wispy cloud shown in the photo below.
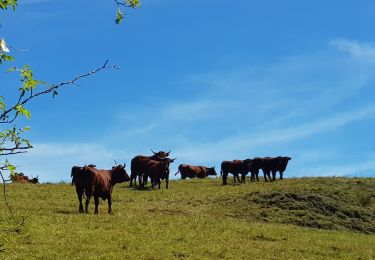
(355, 48)
(237, 114)
(53, 161)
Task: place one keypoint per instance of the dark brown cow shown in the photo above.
(138, 162)
(235, 167)
(98, 183)
(189, 171)
(269, 165)
(76, 171)
(282, 162)
(157, 170)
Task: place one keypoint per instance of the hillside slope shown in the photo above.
(314, 218)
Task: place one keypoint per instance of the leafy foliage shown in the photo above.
(123, 4)
(5, 4)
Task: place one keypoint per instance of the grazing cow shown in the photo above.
(98, 183)
(138, 162)
(189, 171)
(235, 167)
(76, 171)
(157, 170)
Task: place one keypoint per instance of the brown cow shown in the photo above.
(138, 162)
(157, 170)
(235, 167)
(98, 183)
(189, 171)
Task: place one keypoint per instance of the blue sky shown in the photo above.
(209, 80)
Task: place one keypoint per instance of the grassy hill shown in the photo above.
(311, 218)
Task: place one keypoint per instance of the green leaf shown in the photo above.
(23, 111)
(119, 16)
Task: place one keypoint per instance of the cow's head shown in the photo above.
(165, 166)
(119, 174)
(211, 171)
(161, 154)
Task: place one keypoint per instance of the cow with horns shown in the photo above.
(137, 166)
(98, 183)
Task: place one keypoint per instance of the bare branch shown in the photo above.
(53, 87)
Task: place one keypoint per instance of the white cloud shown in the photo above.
(53, 161)
(355, 48)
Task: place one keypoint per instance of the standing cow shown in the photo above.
(268, 165)
(157, 170)
(281, 163)
(189, 171)
(235, 167)
(98, 183)
(137, 163)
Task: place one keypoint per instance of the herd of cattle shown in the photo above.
(90, 181)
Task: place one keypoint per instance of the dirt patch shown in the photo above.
(324, 211)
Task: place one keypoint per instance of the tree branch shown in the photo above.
(53, 87)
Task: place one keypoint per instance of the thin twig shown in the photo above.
(50, 89)
(7, 204)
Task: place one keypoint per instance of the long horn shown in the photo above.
(176, 172)
(169, 152)
(152, 151)
(115, 162)
(124, 165)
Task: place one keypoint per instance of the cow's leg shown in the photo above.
(225, 175)
(281, 175)
(166, 182)
(80, 194)
(257, 176)
(96, 199)
(273, 175)
(109, 204)
(159, 181)
(265, 175)
(87, 202)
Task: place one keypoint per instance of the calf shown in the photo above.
(189, 171)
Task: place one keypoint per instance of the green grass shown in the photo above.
(309, 218)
